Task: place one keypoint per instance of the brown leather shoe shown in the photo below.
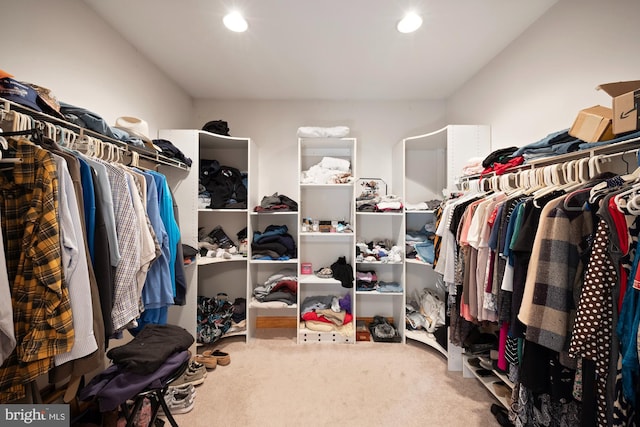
(223, 359)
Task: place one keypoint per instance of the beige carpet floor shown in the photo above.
(272, 381)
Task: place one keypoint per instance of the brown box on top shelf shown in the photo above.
(626, 97)
(593, 124)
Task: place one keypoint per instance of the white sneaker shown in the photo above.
(180, 402)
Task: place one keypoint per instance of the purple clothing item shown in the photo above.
(345, 303)
(114, 385)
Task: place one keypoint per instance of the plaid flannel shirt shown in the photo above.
(41, 309)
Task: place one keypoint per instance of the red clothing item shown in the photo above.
(501, 168)
(312, 315)
(622, 241)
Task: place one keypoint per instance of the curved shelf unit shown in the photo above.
(425, 338)
(208, 261)
(379, 263)
(292, 261)
(418, 262)
(380, 213)
(487, 382)
(379, 293)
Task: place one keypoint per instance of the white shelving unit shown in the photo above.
(376, 226)
(260, 270)
(210, 276)
(326, 202)
(428, 166)
(488, 380)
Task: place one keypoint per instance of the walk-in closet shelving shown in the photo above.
(320, 200)
(212, 276)
(489, 381)
(275, 314)
(426, 169)
(387, 228)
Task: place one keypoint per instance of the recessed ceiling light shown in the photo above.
(235, 22)
(409, 23)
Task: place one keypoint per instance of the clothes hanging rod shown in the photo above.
(7, 106)
(617, 148)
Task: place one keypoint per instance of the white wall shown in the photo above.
(64, 46)
(273, 126)
(534, 87)
(539, 82)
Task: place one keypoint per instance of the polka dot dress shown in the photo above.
(593, 327)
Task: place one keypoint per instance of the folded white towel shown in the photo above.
(322, 132)
(335, 164)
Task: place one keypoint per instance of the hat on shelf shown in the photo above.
(20, 93)
(47, 101)
(137, 128)
(4, 74)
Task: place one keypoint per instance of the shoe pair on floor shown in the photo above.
(212, 358)
(501, 414)
(180, 399)
(194, 375)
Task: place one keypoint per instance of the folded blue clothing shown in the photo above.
(632, 135)
(426, 251)
(389, 287)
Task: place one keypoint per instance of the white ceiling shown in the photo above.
(320, 49)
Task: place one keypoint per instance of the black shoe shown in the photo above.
(474, 361)
(496, 409)
(503, 419)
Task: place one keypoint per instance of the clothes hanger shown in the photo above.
(606, 186)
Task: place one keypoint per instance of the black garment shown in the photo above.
(343, 272)
(589, 407)
(180, 275)
(219, 127)
(501, 155)
(149, 349)
(171, 151)
(104, 272)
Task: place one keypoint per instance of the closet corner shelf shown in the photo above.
(325, 186)
(419, 211)
(502, 376)
(379, 293)
(312, 278)
(418, 262)
(207, 260)
(379, 263)
(488, 381)
(327, 235)
(275, 213)
(222, 210)
(425, 338)
(274, 261)
(390, 213)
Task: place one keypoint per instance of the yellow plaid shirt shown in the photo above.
(41, 309)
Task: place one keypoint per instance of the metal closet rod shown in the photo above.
(621, 148)
(7, 105)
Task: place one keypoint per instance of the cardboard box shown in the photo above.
(626, 97)
(593, 124)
